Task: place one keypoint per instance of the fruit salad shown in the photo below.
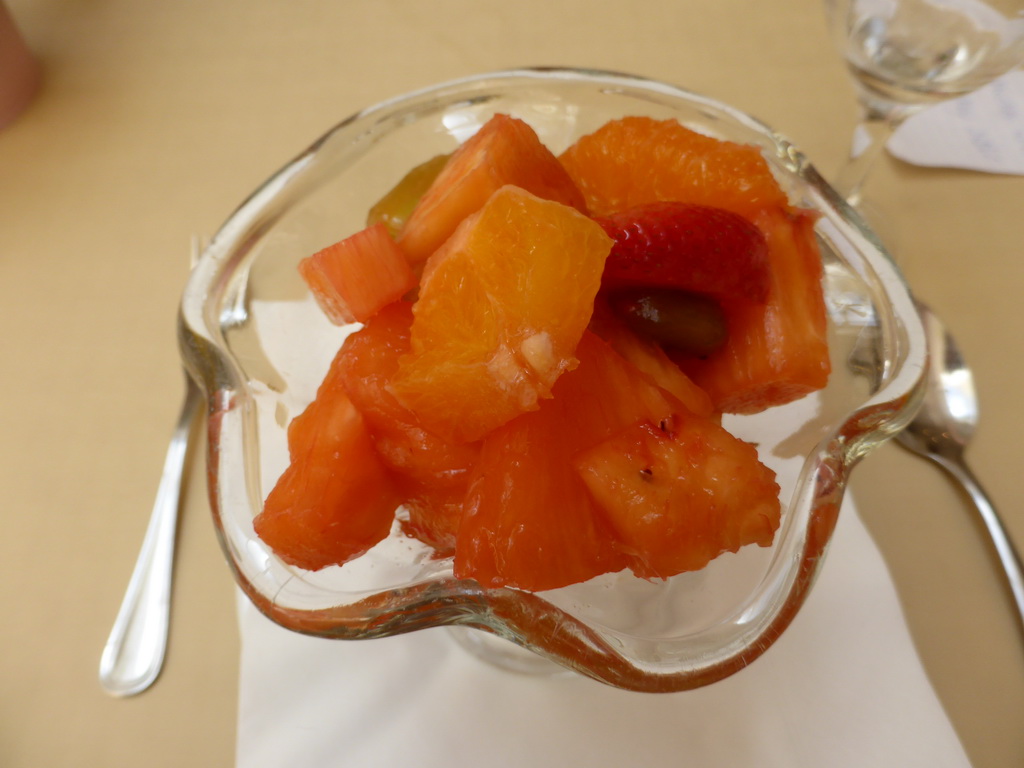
(545, 347)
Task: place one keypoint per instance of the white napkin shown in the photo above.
(983, 131)
(842, 687)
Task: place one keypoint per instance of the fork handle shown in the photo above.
(1008, 555)
(134, 652)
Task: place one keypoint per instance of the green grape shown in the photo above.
(394, 208)
(684, 322)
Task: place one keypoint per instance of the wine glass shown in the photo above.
(905, 55)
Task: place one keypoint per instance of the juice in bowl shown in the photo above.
(606, 594)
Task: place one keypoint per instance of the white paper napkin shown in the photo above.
(842, 687)
(983, 131)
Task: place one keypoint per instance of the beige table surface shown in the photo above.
(157, 118)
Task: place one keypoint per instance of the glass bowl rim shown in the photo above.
(209, 362)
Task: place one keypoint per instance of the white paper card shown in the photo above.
(983, 131)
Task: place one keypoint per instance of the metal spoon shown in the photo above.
(942, 429)
(134, 652)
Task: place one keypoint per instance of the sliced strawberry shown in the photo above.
(690, 247)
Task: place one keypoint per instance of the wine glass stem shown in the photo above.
(876, 129)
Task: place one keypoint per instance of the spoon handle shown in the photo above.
(1008, 555)
(134, 652)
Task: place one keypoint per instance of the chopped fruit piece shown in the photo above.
(778, 352)
(352, 279)
(681, 491)
(639, 160)
(649, 358)
(431, 473)
(501, 308)
(525, 499)
(606, 392)
(528, 521)
(689, 247)
(549, 408)
(687, 323)
(395, 207)
(335, 500)
(504, 151)
(367, 364)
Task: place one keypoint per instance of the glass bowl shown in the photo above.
(256, 342)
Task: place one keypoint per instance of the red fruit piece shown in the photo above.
(352, 279)
(681, 491)
(686, 246)
(335, 500)
(778, 352)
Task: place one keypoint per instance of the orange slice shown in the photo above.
(501, 308)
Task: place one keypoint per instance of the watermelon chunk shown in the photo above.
(354, 278)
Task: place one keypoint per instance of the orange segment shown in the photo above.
(501, 308)
(528, 521)
(504, 151)
(431, 473)
(367, 364)
(638, 160)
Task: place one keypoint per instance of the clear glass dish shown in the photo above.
(256, 342)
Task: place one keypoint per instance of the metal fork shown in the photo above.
(134, 652)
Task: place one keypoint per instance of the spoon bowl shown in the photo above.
(942, 429)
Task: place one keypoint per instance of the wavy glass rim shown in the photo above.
(215, 298)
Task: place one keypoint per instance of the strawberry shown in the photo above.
(689, 247)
